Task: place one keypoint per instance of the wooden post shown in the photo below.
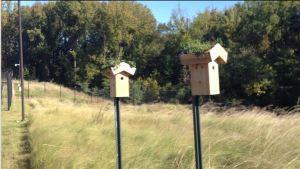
(0, 85)
(60, 91)
(21, 61)
(74, 99)
(28, 89)
(75, 65)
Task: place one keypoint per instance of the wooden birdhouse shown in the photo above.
(204, 70)
(119, 79)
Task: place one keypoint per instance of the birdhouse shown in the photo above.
(119, 79)
(204, 70)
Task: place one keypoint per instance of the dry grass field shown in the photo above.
(62, 134)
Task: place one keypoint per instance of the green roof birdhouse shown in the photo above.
(204, 69)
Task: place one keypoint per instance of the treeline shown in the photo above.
(262, 38)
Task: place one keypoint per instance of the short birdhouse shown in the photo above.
(119, 79)
(204, 70)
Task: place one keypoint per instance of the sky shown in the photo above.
(162, 10)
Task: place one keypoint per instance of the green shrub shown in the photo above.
(106, 87)
(168, 93)
(26, 73)
(136, 91)
(84, 87)
(151, 90)
(183, 94)
(194, 46)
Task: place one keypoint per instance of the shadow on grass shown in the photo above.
(25, 149)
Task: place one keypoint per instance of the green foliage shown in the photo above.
(157, 136)
(262, 39)
(115, 62)
(84, 87)
(183, 94)
(136, 91)
(106, 87)
(151, 89)
(26, 73)
(168, 93)
(195, 46)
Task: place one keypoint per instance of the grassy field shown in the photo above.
(15, 140)
(154, 136)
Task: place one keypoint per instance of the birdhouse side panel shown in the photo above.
(199, 79)
(213, 71)
(122, 85)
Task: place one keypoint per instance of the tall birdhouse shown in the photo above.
(204, 70)
(119, 79)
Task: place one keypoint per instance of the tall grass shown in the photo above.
(15, 142)
(157, 136)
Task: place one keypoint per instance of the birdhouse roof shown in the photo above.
(216, 53)
(123, 68)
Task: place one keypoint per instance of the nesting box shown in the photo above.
(119, 79)
(204, 70)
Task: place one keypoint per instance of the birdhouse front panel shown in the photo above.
(119, 86)
(205, 79)
(199, 79)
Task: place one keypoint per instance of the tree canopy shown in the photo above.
(62, 39)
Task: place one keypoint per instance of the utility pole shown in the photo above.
(21, 61)
(28, 88)
(0, 87)
(60, 91)
(75, 78)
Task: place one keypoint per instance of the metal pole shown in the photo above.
(60, 91)
(118, 132)
(21, 62)
(19, 73)
(75, 79)
(8, 90)
(9, 85)
(195, 135)
(197, 132)
(74, 99)
(28, 89)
